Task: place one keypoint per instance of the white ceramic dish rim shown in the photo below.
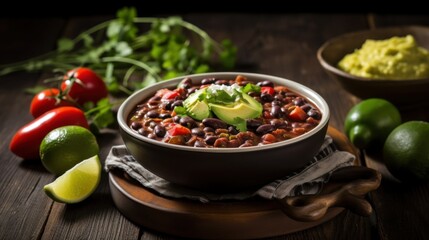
(129, 104)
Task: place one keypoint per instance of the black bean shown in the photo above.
(187, 122)
(232, 130)
(253, 123)
(176, 104)
(275, 111)
(136, 125)
(265, 83)
(208, 129)
(278, 97)
(176, 119)
(208, 81)
(210, 140)
(167, 105)
(277, 123)
(298, 101)
(154, 100)
(263, 129)
(266, 97)
(276, 102)
(200, 144)
(214, 123)
(314, 114)
(192, 90)
(165, 115)
(197, 132)
(152, 114)
(306, 107)
(152, 124)
(186, 83)
(159, 130)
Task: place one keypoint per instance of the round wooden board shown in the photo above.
(253, 218)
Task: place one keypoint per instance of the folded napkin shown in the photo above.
(309, 180)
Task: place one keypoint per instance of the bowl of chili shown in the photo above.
(212, 152)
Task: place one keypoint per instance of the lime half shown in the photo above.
(76, 184)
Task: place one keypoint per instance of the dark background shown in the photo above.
(43, 8)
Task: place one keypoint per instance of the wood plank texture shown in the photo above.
(278, 44)
(399, 205)
(24, 207)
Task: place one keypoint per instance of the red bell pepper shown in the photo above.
(26, 141)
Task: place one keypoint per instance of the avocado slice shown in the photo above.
(235, 115)
(252, 102)
(196, 108)
(199, 110)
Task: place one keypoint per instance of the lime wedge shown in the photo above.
(76, 184)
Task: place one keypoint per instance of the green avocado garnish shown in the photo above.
(229, 103)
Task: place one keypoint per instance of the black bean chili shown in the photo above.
(285, 115)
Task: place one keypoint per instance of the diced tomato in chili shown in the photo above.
(298, 114)
(268, 90)
(179, 130)
(170, 95)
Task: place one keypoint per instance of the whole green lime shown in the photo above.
(64, 147)
(369, 123)
(406, 151)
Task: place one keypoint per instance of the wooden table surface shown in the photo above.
(278, 44)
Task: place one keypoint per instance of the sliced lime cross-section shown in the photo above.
(76, 184)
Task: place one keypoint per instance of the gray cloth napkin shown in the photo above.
(309, 180)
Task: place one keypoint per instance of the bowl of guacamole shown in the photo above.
(390, 63)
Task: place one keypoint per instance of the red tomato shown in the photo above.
(179, 130)
(46, 100)
(298, 114)
(86, 86)
(26, 141)
(268, 90)
(170, 95)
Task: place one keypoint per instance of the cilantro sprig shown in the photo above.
(130, 58)
(130, 55)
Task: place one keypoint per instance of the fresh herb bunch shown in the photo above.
(130, 59)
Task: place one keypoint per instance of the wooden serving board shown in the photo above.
(253, 218)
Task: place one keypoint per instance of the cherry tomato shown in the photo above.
(26, 141)
(46, 100)
(85, 86)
